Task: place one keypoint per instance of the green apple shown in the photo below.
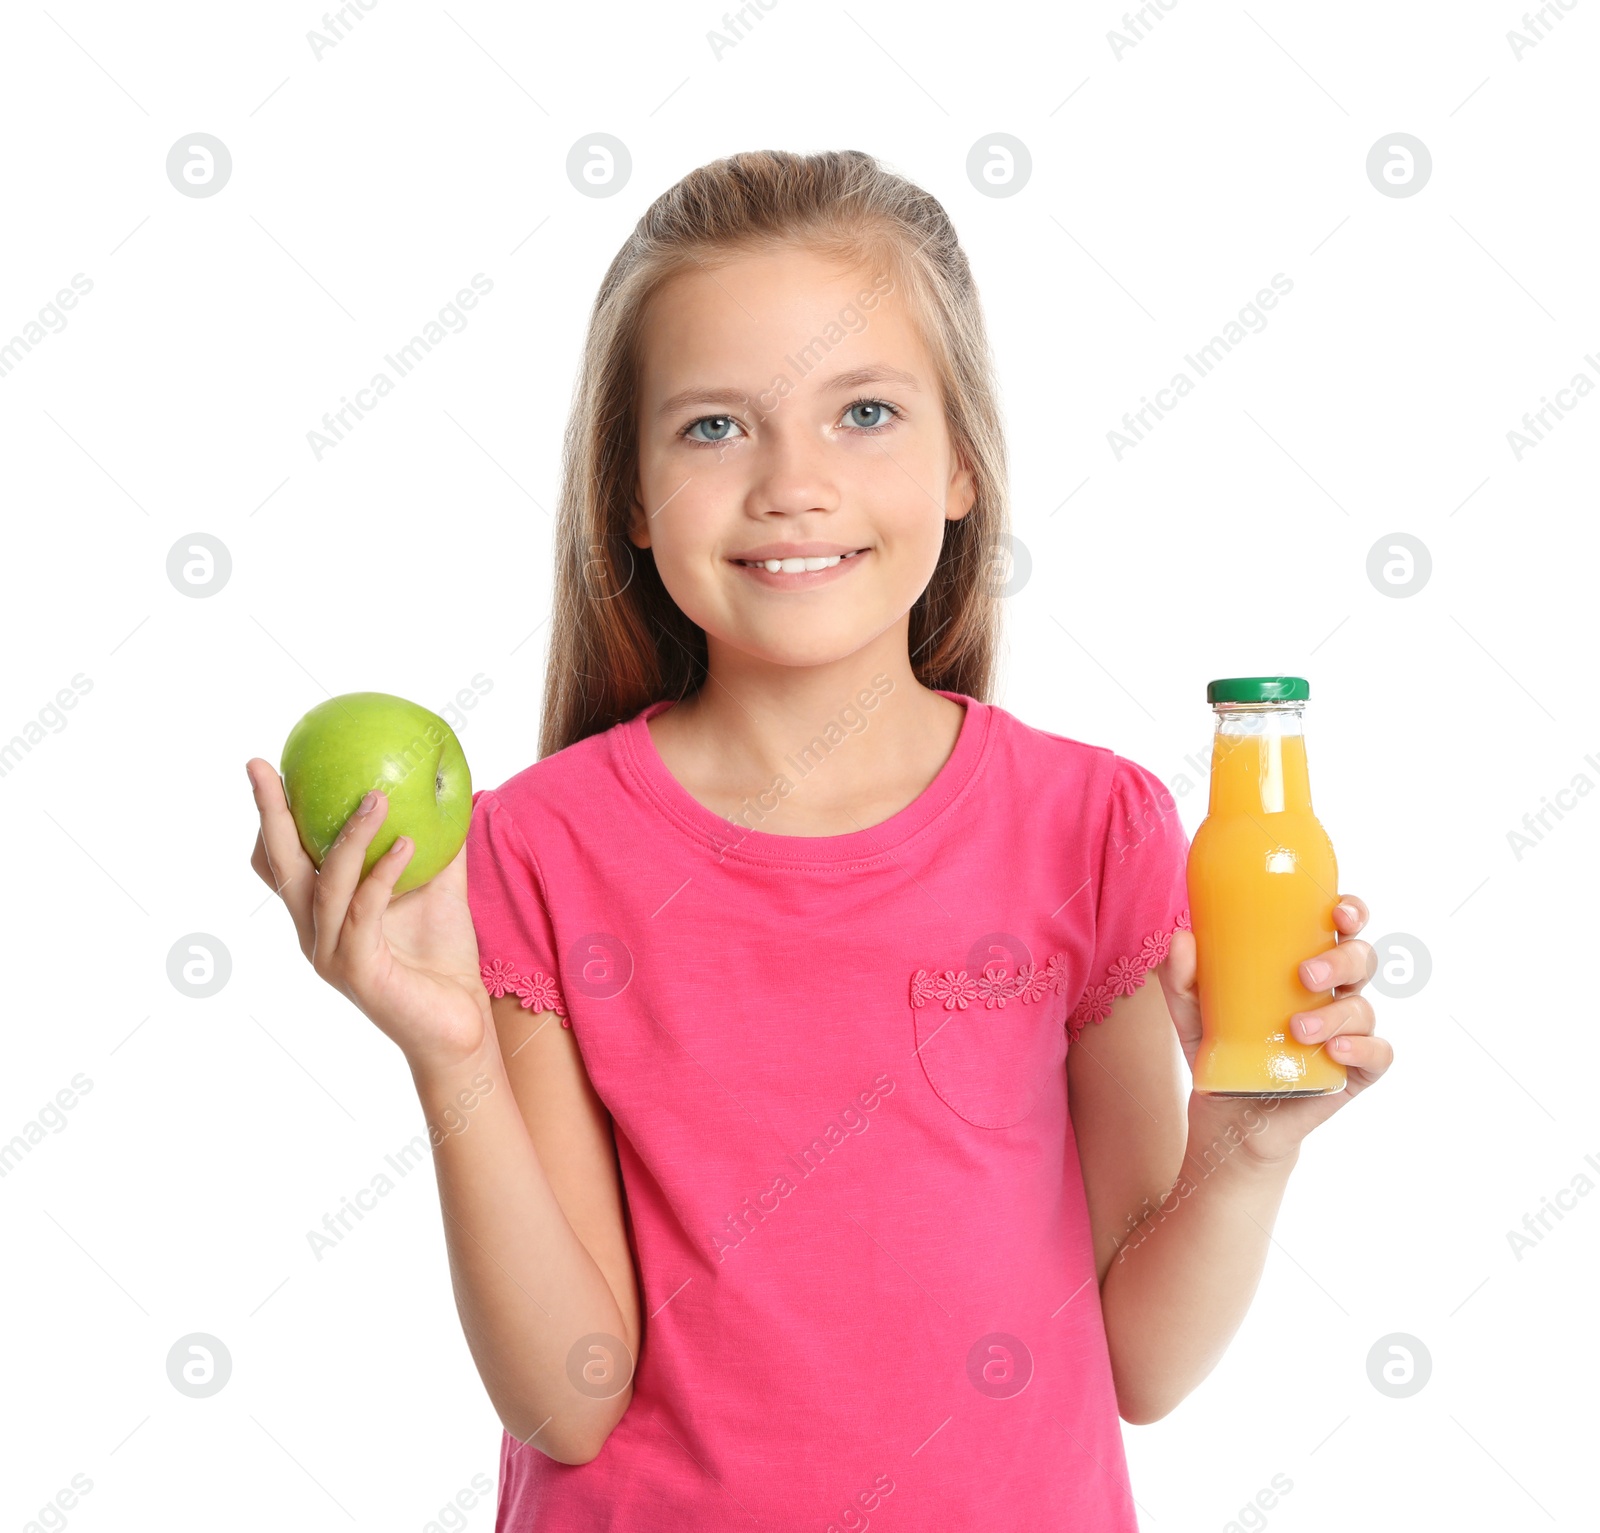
(366, 740)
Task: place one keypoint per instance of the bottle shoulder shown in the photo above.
(1240, 831)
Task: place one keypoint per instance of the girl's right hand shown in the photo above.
(410, 963)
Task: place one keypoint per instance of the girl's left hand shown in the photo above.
(1345, 1026)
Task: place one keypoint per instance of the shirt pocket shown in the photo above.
(991, 1043)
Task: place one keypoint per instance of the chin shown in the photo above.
(781, 649)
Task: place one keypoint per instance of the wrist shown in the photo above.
(452, 1094)
(1235, 1132)
(442, 1078)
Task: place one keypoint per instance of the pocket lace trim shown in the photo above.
(537, 991)
(956, 989)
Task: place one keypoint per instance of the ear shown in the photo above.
(962, 492)
(638, 521)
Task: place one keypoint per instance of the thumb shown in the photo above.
(1178, 972)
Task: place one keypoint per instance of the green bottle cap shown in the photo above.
(1259, 689)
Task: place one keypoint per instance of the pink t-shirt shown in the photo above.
(834, 1065)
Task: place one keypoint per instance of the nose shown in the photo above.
(789, 468)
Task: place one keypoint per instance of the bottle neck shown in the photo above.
(1258, 760)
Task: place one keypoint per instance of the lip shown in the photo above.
(800, 580)
(796, 551)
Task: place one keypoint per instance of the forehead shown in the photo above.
(736, 322)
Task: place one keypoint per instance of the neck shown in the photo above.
(836, 731)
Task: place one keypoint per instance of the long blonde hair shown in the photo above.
(618, 640)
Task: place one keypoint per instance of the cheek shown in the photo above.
(906, 512)
(687, 518)
(654, 471)
(905, 482)
(675, 478)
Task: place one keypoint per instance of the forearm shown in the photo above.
(526, 1287)
(1182, 1280)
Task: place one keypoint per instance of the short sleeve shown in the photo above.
(505, 893)
(1143, 895)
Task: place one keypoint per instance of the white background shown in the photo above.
(1168, 185)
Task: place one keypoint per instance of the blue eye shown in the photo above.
(882, 414)
(718, 427)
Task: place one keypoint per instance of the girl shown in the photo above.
(784, 1182)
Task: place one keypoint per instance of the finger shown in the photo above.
(1363, 1057)
(1348, 1014)
(262, 864)
(1350, 914)
(363, 925)
(282, 861)
(341, 870)
(1349, 965)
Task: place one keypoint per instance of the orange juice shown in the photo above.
(1262, 886)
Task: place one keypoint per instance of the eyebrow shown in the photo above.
(856, 378)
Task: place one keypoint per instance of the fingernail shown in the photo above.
(1340, 1045)
(1349, 910)
(366, 804)
(1317, 970)
(1309, 1027)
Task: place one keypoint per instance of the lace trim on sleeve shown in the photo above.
(1123, 977)
(537, 991)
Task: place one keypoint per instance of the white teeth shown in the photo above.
(797, 566)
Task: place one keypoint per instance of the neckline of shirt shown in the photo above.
(638, 753)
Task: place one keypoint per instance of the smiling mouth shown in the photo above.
(797, 566)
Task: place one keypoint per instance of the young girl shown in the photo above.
(784, 1183)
